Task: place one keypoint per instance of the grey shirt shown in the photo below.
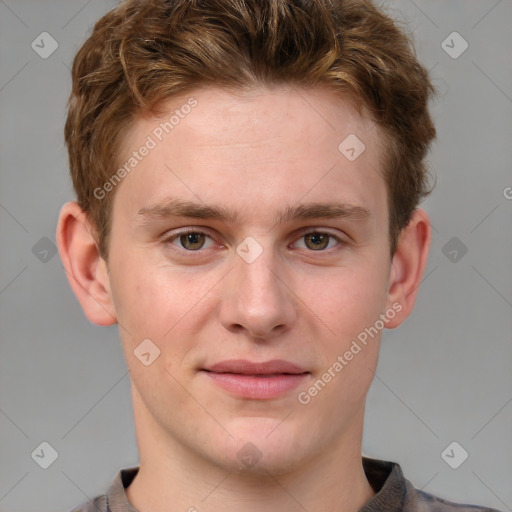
(393, 493)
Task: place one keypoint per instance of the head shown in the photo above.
(252, 124)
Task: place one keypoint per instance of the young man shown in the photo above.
(248, 175)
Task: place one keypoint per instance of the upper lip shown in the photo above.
(242, 366)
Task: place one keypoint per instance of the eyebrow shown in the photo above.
(173, 207)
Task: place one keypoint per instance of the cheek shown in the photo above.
(349, 305)
(346, 300)
(155, 304)
(152, 300)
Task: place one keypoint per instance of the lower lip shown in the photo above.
(257, 387)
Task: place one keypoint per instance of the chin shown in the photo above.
(257, 452)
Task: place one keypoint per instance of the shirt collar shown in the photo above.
(386, 479)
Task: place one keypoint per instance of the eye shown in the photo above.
(319, 240)
(193, 240)
(190, 240)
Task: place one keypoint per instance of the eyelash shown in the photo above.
(303, 233)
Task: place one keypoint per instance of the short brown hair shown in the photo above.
(145, 51)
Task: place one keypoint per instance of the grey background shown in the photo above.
(443, 376)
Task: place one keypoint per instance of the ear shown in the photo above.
(407, 267)
(86, 269)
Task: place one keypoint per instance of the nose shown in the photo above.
(258, 299)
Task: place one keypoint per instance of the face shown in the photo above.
(252, 231)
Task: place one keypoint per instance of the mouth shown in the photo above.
(255, 380)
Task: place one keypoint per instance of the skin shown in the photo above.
(254, 152)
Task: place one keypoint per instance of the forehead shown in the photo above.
(255, 148)
(240, 118)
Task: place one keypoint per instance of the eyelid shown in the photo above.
(314, 229)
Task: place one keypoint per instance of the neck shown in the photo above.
(174, 478)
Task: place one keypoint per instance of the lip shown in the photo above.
(256, 380)
(242, 366)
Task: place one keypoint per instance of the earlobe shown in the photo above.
(85, 268)
(408, 265)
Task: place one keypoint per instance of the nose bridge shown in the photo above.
(258, 278)
(259, 300)
(259, 285)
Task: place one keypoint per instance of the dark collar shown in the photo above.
(386, 479)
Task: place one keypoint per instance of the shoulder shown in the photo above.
(394, 493)
(97, 504)
(115, 498)
(421, 501)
